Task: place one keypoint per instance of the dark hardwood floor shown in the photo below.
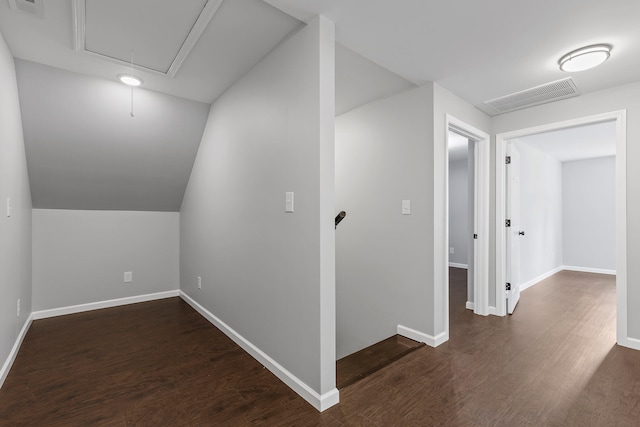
(554, 362)
(361, 364)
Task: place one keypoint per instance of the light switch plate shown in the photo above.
(289, 202)
(406, 207)
(128, 277)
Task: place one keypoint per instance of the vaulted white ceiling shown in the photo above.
(84, 150)
(482, 50)
(240, 33)
(101, 158)
(479, 50)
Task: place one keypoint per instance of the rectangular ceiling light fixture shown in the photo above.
(548, 92)
(117, 30)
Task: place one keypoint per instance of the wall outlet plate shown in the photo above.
(128, 276)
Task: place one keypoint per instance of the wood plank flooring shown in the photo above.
(554, 362)
(361, 364)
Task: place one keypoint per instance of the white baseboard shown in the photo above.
(631, 343)
(540, 278)
(470, 305)
(456, 265)
(43, 314)
(422, 337)
(14, 351)
(589, 270)
(493, 310)
(320, 402)
(550, 273)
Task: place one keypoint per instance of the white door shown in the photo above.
(513, 227)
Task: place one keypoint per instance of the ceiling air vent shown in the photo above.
(542, 94)
(32, 7)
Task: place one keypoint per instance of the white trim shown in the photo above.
(550, 273)
(14, 351)
(205, 17)
(540, 278)
(320, 402)
(44, 314)
(621, 208)
(501, 236)
(469, 305)
(481, 188)
(457, 265)
(589, 270)
(429, 340)
(621, 228)
(493, 310)
(79, 30)
(630, 343)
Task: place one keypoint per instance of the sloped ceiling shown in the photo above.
(85, 151)
(360, 81)
(240, 33)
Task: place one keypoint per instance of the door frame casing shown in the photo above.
(620, 117)
(512, 210)
(482, 172)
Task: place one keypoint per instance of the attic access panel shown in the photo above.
(160, 34)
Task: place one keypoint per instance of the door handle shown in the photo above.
(521, 233)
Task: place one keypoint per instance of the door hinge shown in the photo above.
(475, 236)
(507, 286)
(507, 223)
(507, 160)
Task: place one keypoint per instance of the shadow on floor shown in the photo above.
(359, 365)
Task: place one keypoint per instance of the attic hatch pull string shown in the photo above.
(131, 63)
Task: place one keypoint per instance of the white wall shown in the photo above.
(267, 274)
(540, 213)
(80, 257)
(15, 231)
(626, 97)
(459, 226)
(383, 257)
(589, 213)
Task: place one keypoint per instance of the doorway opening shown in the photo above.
(509, 234)
(476, 214)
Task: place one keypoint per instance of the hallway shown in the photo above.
(159, 363)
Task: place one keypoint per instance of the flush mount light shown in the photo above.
(585, 58)
(130, 80)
